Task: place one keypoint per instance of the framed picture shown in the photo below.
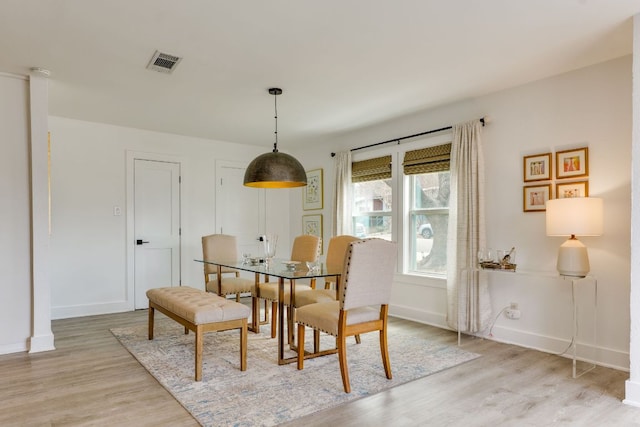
(572, 163)
(312, 197)
(312, 224)
(572, 189)
(537, 167)
(535, 197)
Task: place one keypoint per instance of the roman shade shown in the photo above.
(371, 169)
(426, 160)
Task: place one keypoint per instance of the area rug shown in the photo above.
(266, 393)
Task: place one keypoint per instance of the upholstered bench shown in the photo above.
(200, 312)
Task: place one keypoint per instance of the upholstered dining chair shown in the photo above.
(363, 305)
(336, 251)
(305, 248)
(223, 247)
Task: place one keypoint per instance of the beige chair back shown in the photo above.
(336, 251)
(305, 248)
(369, 267)
(219, 247)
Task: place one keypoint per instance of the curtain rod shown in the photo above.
(405, 137)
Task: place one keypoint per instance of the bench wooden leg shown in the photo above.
(243, 346)
(199, 340)
(151, 316)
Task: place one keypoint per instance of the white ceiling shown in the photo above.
(343, 64)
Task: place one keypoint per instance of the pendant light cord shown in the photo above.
(275, 108)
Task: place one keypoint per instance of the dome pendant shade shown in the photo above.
(275, 170)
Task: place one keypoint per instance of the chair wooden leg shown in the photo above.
(199, 339)
(384, 349)
(342, 356)
(151, 316)
(243, 346)
(274, 318)
(357, 338)
(316, 340)
(300, 346)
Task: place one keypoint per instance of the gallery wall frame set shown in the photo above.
(535, 197)
(570, 164)
(312, 196)
(537, 167)
(312, 224)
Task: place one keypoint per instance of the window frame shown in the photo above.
(400, 197)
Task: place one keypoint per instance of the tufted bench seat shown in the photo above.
(200, 312)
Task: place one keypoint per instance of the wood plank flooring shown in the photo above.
(91, 380)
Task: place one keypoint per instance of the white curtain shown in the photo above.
(469, 306)
(342, 195)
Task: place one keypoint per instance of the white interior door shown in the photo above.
(156, 227)
(239, 209)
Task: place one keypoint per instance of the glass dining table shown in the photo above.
(277, 268)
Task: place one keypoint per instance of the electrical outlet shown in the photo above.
(512, 313)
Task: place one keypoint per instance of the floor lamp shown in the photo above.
(575, 216)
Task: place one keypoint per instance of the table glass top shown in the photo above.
(277, 268)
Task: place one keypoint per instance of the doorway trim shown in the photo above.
(132, 156)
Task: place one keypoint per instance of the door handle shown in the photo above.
(140, 242)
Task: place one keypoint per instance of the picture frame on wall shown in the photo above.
(572, 163)
(572, 189)
(535, 197)
(537, 167)
(312, 224)
(312, 197)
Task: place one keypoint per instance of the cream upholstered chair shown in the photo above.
(336, 251)
(363, 304)
(223, 247)
(305, 248)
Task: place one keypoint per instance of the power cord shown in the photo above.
(490, 334)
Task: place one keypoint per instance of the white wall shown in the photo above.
(15, 212)
(588, 107)
(88, 243)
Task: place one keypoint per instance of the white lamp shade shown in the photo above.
(579, 216)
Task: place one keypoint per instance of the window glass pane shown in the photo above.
(431, 190)
(428, 222)
(372, 209)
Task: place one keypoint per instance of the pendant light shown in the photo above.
(275, 169)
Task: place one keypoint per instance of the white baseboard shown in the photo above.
(599, 355)
(14, 348)
(90, 309)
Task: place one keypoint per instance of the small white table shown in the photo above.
(575, 282)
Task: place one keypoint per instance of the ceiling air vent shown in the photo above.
(163, 62)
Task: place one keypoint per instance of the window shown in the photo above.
(372, 209)
(372, 197)
(429, 180)
(421, 214)
(428, 219)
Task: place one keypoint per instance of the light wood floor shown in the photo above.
(90, 379)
